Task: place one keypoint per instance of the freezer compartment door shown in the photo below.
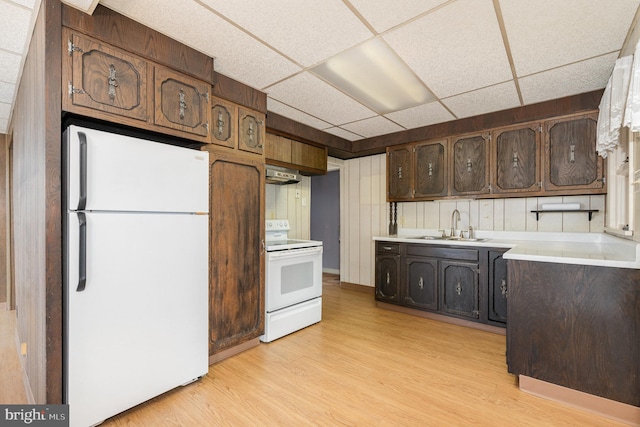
(138, 325)
(107, 171)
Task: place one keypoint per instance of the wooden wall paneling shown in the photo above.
(4, 283)
(366, 244)
(337, 147)
(118, 30)
(234, 91)
(354, 215)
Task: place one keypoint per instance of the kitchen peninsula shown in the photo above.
(573, 318)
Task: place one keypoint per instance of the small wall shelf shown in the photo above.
(589, 211)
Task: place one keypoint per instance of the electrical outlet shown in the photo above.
(304, 201)
(23, 348)
(297, 193)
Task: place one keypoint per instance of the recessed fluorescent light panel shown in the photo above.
(373, 74)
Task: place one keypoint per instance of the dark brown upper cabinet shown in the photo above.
(181, 102)
(251, 131)
(515, 159)
(100, 78)
(571, 160)
(224, 123)
(430, 161)
(470, 165)
(400, 173)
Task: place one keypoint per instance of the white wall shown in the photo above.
(366, 214)
(281, 203)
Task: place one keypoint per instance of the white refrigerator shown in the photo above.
(135, 271)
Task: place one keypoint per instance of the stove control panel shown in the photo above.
(277, 225)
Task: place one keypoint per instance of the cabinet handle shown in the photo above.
(572, 152)
(421, 283)
(112, 81)
(515, 159)
(388, 277)
(183, 104)
(387, 248)
(220, 123)
(399, 172)
(430, 169)
(469, 165)
(503, 288)
(459, 288)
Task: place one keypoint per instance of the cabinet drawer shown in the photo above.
(387, 248)
(461, 254)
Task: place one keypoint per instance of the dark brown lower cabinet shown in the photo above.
(236, 284)
(576, 326)
(421, 284)
(498, 287)
(443, 279)
(460, 293)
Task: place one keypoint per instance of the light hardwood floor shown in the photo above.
(361, 366)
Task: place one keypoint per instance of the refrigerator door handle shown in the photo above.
(82, 201)
(82, 273)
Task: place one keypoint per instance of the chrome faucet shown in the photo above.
(454, 225)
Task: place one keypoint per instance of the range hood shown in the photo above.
(281, 176)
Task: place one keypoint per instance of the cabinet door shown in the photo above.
(571, 158)
(387, 276)
(278, 148)
(306, 156)
(251, 128)
(237, 294)
(430, 169)
(399, 171)
(470, 158)
(421, 283)
(498, 288)
(459, 289)
(516, 159)
(224, 123)
(105, 79)
(181, 103)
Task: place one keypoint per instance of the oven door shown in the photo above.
(293, 276)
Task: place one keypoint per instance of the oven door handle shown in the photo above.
(293, 253)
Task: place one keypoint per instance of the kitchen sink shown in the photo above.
(455, 238)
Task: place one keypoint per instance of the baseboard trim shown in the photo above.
(617, 411)
(331, 270)
(225, 354)
(442, 318)
(357, 287)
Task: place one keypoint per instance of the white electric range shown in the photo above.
(293, 281)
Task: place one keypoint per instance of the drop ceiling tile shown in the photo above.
(308, 93)
(572, 79)
(5, 110)
(456, 49)
(486, 100)
(556, 33)
(31, 4)
(6, 92)
(422, 115)
(306, 31)
(297, 115)
(236, 52)
(373, 126)
(349, 136)
(14, 37)
(385, 14)
(10, 66)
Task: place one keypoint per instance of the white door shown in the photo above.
(139, 326)
(120, 173)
